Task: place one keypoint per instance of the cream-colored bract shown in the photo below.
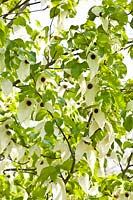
(6, 87)
(65, 152)
(23, 71)
(24, 110)
(59, 190)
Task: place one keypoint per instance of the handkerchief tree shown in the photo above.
(66, 111)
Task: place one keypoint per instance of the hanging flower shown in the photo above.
(93, 127)
(64, 86)
(59, 190)
(104, 145)
(15, 151)
(25, 109)
(65, 152)
(41, 164)
(84, 182)
(91, 91)
(93, 62)
(99, 117)
(99, 12)
(43, 80)
(24, 70)
(5, 138)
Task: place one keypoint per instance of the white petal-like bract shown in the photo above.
(6, 86)
(25, 109)
(65, 152)
(23, 71)
(84, 183)
(59, 190)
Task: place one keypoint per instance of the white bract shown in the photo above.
(98, 11)
(25, 109)
(104, 145)
(81, 148)
(91, 159)
(41, 164)
(85, 148)
(130, 105)
(4, 137)
(35, 149)
(6, 87)
(93, 127)
(63, 87)
(23, 71)
(91, 91)
(58, 190)
(84, 182)
(99, 118)
(93, 62)
(43, 80)
(17, 151)
(65, 152)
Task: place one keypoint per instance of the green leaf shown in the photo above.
(2, 38)
(49, 127)
(48, 172)
(131, 23)
(41, 114)
(54, 12)
(20, 21)
(120, 16)
(127, 144)
(56, 50)
(128, 123)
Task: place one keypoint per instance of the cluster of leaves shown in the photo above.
(67, 117)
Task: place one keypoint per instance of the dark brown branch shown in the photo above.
(17, 6)
(127, 167)
(16, 82)
(50, 157)
(25, 4)
(70, 149)
(24, 12)
(4, 1)
(37, 2)
(24, 170)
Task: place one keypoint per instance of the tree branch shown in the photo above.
(70, 149)
(127, 167)
(17, 6)
(24, 5)
(24, 170)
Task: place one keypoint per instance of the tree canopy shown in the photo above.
(66, 113)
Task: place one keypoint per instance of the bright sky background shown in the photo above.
(82, 10)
